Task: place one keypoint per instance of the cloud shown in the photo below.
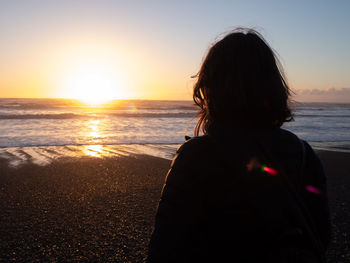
(341, 95)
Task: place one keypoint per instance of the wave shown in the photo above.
(36, 104)
(44, 104)
(99, 115)
(323, 116)
(39, 116)
(155, 115)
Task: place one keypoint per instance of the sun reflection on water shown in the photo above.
(94, 122)
(93, 150)
(93, 125)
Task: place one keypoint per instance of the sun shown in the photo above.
(93, 82)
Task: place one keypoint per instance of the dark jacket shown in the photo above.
(218, 202)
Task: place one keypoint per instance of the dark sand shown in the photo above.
(88, 210)
(337, 168)
(102, 210)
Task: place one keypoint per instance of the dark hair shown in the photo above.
(241, 84)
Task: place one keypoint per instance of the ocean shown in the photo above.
(40, 130)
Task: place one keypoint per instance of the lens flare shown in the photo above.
(269, 170)
(254, 164)
(313, 189)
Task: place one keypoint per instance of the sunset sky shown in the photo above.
(149, 49)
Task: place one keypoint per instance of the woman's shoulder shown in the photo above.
(285, 137)
(281, 140)
(283, 134)
(197, 143)
(195, 150)
(287, 146)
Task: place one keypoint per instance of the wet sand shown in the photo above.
(102, 209)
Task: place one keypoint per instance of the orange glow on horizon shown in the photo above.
(94, 83)
(92, 73)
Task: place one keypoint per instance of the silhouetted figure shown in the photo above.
(246, 190)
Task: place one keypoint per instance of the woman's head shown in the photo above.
(241, 84)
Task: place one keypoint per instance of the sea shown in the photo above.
(42, 130)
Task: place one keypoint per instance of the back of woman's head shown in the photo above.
(241, 84)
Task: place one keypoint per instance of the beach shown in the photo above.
(79, 209)
(90, 209)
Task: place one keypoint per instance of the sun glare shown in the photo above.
(92, 80)
(93, 84)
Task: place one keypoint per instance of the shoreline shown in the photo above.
(44, 155)
(102, 209)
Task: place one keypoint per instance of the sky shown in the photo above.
(150, 49)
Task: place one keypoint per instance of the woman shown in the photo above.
(246, 190)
